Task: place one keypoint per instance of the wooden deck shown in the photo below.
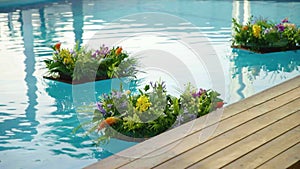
(262, 131)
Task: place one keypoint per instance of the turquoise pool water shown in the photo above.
(37, 116)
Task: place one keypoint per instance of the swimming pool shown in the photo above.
(36, 119)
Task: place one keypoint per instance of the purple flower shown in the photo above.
(117, 94)
(191, 116)
(105, 96)
(202, 91)
(280, 27)
(195, 95)
(185, 111)
(100, 108)
(104, 50)
(109, 106)
(163, 85)
(180, 119)
(94, 55)
(72, 52)
(123, 105)
(199, 93)
(267, 31)
(285, 20)
(153, 85)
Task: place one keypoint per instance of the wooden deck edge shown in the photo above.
(295, 165)
(224, 157)
(214, 149)
(149, 158)
(119, 159)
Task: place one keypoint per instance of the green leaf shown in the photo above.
(146, 88)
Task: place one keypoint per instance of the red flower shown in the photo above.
(219, 104)
(108, 121)
(118, 51)
(57, 46)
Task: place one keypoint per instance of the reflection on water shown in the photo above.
(26, 27)
(37, 116)
(249, 69)
(272, 63)
(67, 99)
(61, 122)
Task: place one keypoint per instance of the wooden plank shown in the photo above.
(197, 156)
(254, 112)
(174, 136)
(229, 154)
(267, 151)
(192, 141)
(283, 160)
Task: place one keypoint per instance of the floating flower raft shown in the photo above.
(149, 112)
(263, 36)
(79, 65)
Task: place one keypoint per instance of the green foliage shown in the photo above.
(150, 111)
(263, 33)
(80, 63)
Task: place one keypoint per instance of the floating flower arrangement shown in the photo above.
(80, 65)
(264, 36)
(148, 112)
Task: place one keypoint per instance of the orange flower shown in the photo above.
(118, 50)
(108, 121)
(244, 28)
(57, 46)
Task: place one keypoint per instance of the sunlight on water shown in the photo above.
(37, 116)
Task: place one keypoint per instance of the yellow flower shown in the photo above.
(143, 103)
(66, 56)
(256, 30)
(68, 61)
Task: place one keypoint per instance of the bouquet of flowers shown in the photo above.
(80, 64)
(149, 112)
(262, 35)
